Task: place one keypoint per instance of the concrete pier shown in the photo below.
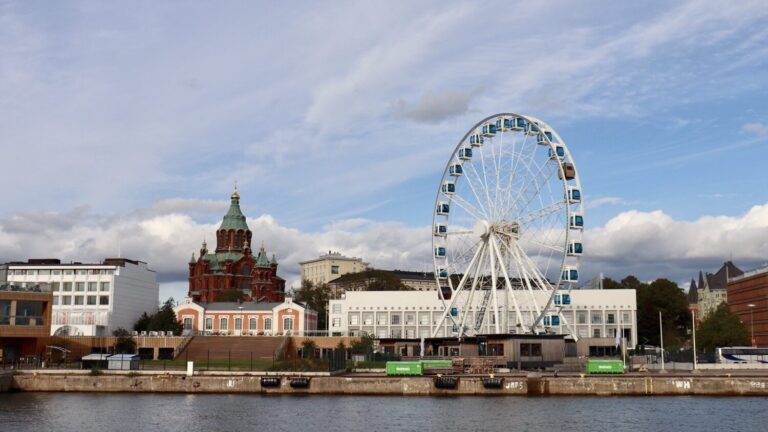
(6, 380)
(402, 386)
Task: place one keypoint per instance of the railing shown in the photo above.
(179, 348)
(300, 333)
(39, 288)
(22, 320)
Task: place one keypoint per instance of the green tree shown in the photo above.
(231, 295)
(162, 320)
(721, 328)
(662, 295)
(308, 348)
(609, 283)
(316, 297)
(372, 280)
(364, 345)
(124, 344)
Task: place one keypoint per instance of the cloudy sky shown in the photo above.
(124, 125)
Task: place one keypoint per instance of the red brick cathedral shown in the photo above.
(232, 266)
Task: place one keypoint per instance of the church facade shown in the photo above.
(232, 265)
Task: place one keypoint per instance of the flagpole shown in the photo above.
(661, 336)
(693, 318)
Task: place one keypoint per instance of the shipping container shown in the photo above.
(605, 366)
(404, 368)
(436, 363)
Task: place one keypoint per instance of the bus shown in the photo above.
(742, 355)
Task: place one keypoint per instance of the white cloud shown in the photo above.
(757, 129)
(436, 107)
(603, 201)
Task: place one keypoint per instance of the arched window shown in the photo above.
(267, 324)
(252, 323)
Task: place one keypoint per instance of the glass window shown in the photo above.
(410, 319)
(81, 272)
(56, 272)
(238, 323)
(223, 324)
(267, 323)
(32, 272)
(337, 322)
(109, 272)
(395, 319)
(596, 332)
(68, 272)
(103, 300)
(611, 318)
(209, 323)
(354, 319)
(91, 300)
(55, 286)
(187, 323)
(336, 308)
(79, 300)
(95, 271)
(92, 286)
(80, 286)
(625, 317)
(55, 300)
(253, 322)
(66, 300)
(334, 269)
(597, 317)
(288, 324)
(582, 317)
(105, 286)
(67, 286)
(44, 272)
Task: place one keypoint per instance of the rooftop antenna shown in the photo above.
(119, 248)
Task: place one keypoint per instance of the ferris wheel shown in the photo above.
(507, 229)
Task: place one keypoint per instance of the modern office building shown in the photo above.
(25, 318)
(330, 266)
(594, 316)
(748, 298)
(90, 299)
(247, 318)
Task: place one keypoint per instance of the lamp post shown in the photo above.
(242, 318)
(661, 338)
(693, 319)
(751, 307)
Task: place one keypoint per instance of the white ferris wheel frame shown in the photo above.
(568, 260)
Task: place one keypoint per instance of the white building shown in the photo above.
(415, 314)
(92, 299)
(330, 266)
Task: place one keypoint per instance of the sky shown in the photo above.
(124, 125)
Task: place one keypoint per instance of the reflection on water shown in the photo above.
(155, 412)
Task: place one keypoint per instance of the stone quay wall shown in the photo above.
(401, 386)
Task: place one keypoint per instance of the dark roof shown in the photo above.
(412, 275)
(57, 262)
(693, 293)
(719, 280)
(247, 306)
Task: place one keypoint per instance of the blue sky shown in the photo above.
(124, 125)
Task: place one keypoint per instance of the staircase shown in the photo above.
(218, 348)
(481, 312)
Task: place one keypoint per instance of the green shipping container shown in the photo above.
(436, 363)
(605, 366)
(404, 368)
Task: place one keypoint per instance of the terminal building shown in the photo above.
(597, 318)
(748, 298)
(89, 299)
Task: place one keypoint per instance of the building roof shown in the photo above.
(234, 306)
(261, 259)
(719, 280)
(333, 256)
(693, 293)
(234, 219)
(54, 262)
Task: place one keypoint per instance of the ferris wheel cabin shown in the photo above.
(443, 208)
(465, 153)
(559, 152)
(442, 273)
(544, 138)
(504, 124)
(564, 299)
(518, 124)
(531, 129)
(574, 195)
(489, 129)
(476, 139)
(577, 221)
(455, 170)
(440, 252)
(575, 248)
(448, 187)
(568, 170)
(551, 320)
(441, 230)
(570, 274)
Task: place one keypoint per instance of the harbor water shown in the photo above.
(82, 412)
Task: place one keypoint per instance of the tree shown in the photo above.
(308, 348)
(665, 296)
(231, 295)
(124, 343)
(721, 328)
(609, 283)
(372, 280)
(364, 345)
(163, 320)
(316, 297)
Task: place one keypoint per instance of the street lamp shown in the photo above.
(751, 307)
(242, 318)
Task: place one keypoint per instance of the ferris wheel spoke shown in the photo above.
(467, 207)
(491, 204)
(486, 209)
(541, 212)
(536, 192)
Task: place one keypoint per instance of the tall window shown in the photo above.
(268, 324)
(80, 286)
(223, 324)
(105, 286)
(334, 269)
(253, 323)
(67, 286)
(91, 286)
(238, 323)
(187, 323)
(287, 325)
(209, 323)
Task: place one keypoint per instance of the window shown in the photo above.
(95, 271)
(80, 286)
(32, 272)
(597, 317)
(104, 300)
(81, 272)
(625, 317)
(410, 319)
(55, 286)
(238, 323)
(209, 323)
(267, 323)
(55, 300)
(105, 286)
(109, 272)
(287, 325)
(582, 317)
(596, 332)
(68, 272)
(44, 272)
(530, 350)
(395, 319)
(92, 286)
(223, 324)
(354, 319)
(56, 272)
(79, 300)
(336, 308)
(91, 300)
(334, 269)
(187, 323)
(66, 300)
(253, 323)
(336, 322)
(67, 286)
(611, 318)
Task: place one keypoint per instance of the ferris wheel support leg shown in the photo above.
(472, 291)
(518, 259)
(492, 241)
(542, 281)
(458, 289)
(510, 294)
